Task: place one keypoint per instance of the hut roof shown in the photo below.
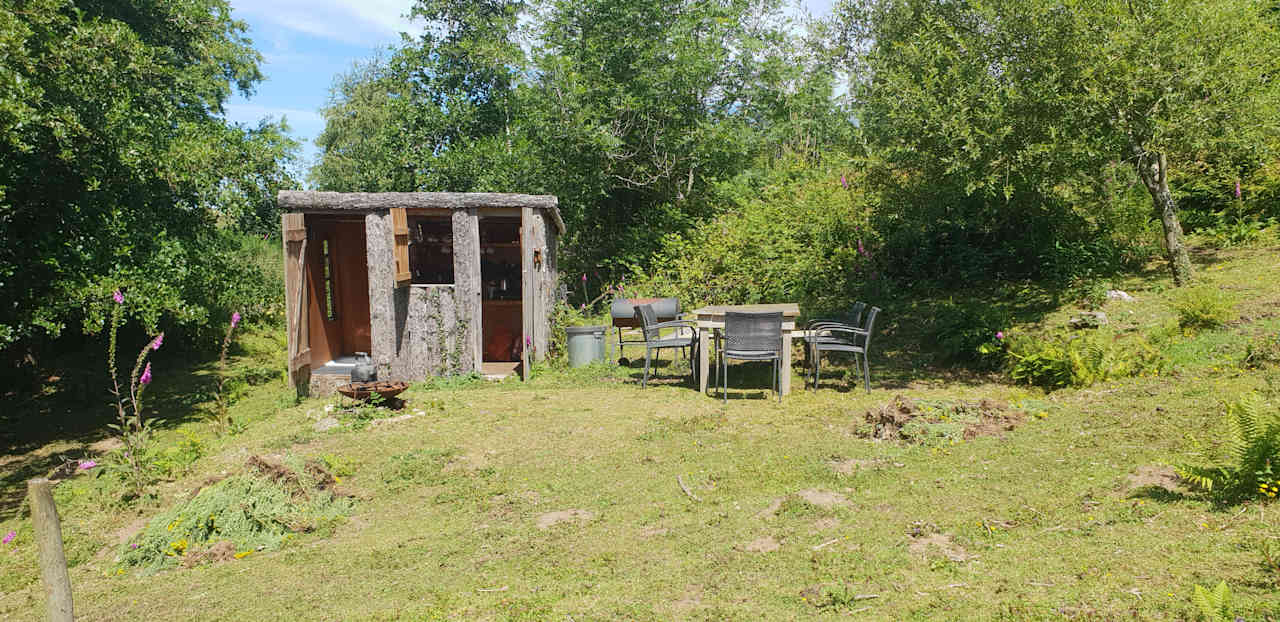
(314, 201)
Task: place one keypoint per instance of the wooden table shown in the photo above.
(712, 317)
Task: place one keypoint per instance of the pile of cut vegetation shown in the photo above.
(938, 422)
(256, 509)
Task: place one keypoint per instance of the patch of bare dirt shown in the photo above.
(222, 551)
(653, 532)
(1152, 475)
(985, 417)
(772, 509)
(106, 445)
(550, 519)
(826, 524)
(822, 498)
(691, 600)
(939, 544)
(319, 477)
(853, 465)
(766, 544)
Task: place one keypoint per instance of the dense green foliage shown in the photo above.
(998, 121)
(116, 168)
(790, 230)
(633, 113)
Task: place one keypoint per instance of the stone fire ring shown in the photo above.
(362, 390)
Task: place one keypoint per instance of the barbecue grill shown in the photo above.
(623, 312)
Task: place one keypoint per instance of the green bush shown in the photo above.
(1076, 360)
(1203, 307)
(970, 333)
(1252, 466)
(1262, 351)
(788, 232)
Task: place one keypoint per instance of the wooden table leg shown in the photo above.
(785, 381)
(704, 350)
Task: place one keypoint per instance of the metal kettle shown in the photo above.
(365, 370)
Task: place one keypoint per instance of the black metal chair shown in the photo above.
(651, 328)
(828, 336)
(813, 334)
(751, 337)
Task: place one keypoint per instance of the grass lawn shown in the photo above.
(580, 496)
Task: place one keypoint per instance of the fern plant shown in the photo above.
(1215, 604)
(1253, 453)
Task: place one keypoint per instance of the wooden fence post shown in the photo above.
(53, 562)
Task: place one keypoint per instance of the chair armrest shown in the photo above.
(676, 324)
(843, 329)
(821, 326)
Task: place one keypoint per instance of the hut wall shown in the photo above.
(421, 330)
(384, 308)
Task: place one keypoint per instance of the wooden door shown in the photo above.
(353, 287)
(338, 281)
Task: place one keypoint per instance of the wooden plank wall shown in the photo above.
(294, 233)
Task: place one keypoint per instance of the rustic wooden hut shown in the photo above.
(426, 283)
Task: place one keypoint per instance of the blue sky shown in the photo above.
(305, 43)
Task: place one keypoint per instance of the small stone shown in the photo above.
(1115, 294)
(328, 423)
(1088, 319)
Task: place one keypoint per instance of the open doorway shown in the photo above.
(338, 283)
(502, 318)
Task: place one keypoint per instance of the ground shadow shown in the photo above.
(51, 417)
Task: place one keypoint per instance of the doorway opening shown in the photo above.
(338, 288)
(501, 308)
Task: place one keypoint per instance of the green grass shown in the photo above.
(1040, 523)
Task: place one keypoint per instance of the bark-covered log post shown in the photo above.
(53, 561)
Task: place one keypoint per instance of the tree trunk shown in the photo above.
(1153, 168)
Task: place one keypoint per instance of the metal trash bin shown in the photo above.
(585, 344)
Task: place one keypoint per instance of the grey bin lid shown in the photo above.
(585, 330)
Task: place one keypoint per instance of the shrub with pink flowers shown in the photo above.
(132, 426)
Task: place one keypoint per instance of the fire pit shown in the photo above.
(362, 390)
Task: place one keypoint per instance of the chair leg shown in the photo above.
(817, 368)
(645, 382)
(724, 379)
(866, 372)
(777, 378)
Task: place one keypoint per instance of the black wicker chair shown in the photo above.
(751, 337)
(651, 328)
(828, 336)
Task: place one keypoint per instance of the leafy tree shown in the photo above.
(1002, 103)
(640, 107)
(630, 112)
(115, 163)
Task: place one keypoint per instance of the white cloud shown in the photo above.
(358, 22)
(301, 122)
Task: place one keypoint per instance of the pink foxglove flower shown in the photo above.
(1237, 189)
(844, 182)
(999, 334)
(118, 297)
(85, 465)
(861, 251)
(8, 537)
(584, 278)
(235, 319)
(155, 345)
(146, 375)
